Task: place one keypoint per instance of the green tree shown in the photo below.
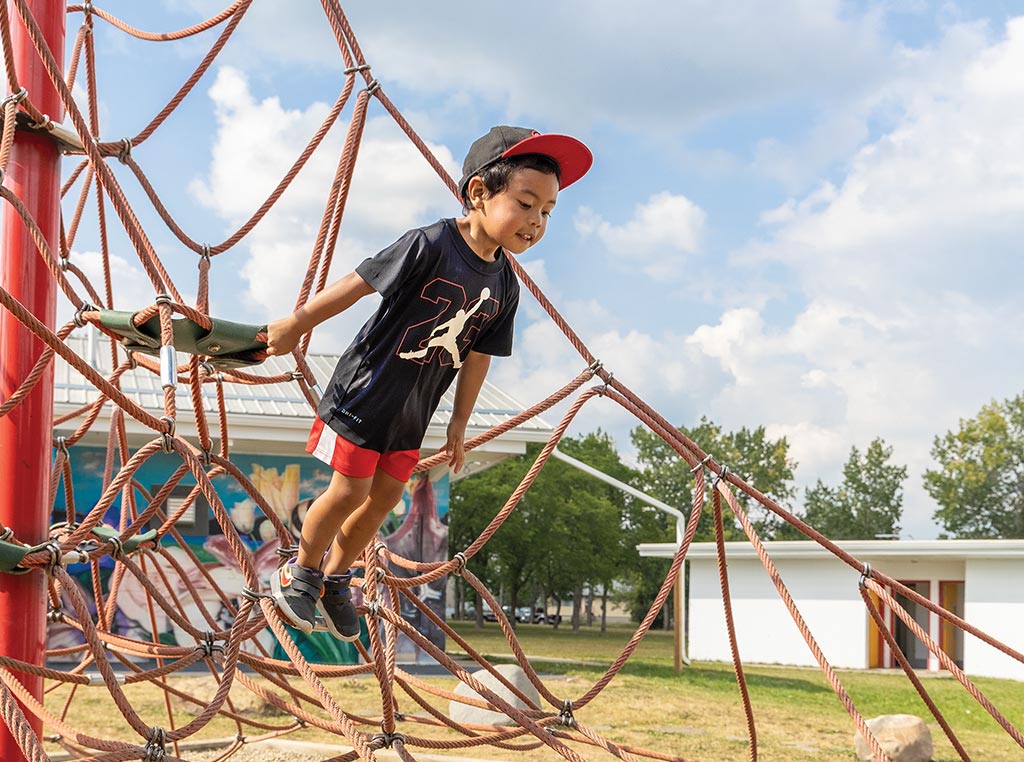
(762, 462)
(868, 503)
(749, 453)
(979, 482)
(564, 534)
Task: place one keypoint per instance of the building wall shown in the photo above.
(826, 595)
(995, 604)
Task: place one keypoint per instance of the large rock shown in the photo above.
(475, 715)
(903, 737)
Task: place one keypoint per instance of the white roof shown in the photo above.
(918, 549)
(269, 413)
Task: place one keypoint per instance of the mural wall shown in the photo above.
(417, 529)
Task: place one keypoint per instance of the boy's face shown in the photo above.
(517, 217)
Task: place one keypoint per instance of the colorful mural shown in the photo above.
(416, 529)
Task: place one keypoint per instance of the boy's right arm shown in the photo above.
(283, 335)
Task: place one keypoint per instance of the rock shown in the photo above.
(477, 716)
(903, 737)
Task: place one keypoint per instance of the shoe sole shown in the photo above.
(329, 625)
(286, 611)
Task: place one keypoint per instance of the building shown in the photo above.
(978, 580)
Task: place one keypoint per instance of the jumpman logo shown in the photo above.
(446, 335)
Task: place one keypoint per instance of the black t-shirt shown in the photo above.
(439, 301)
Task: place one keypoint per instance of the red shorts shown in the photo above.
(357, 462)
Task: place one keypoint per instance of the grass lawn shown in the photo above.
(696, 714)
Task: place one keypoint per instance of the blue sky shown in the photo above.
(802, 215)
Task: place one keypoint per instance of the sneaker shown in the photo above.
(296, 591)
(339, 612)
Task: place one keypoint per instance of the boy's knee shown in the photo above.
(346, 491)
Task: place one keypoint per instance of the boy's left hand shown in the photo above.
(455, 446)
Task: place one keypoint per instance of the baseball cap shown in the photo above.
(573, 158)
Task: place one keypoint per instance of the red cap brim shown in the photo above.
(573, 157)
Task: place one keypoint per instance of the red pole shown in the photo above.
(33, 174)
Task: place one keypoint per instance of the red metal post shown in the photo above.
(33, 174)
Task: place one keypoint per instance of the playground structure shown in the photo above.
(39, 263)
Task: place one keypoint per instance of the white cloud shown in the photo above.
(908, 272)
(257, 140)
(656, 239)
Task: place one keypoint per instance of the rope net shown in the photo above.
(138, 558)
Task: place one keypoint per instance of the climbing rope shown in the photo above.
(148, 340)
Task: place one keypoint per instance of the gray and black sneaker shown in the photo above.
(296, 592)
(339, 612)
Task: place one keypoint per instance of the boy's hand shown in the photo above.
(455, 446)
(282, 336)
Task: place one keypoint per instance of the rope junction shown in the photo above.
(220, 350)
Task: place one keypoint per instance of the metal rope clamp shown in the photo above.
(386, 740)
(460, 563)
(566, 716)
(126, 151)
(169, 434)
(865, 575)
(154, 750)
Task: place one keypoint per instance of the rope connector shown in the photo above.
(373, 87)
(126, 150)
(116, 547)
(205, 253)
(208, 647)
(206, 457)
(14, 98)
(163, 299)
(594, 367)
(254, 595)
(865, 575)
(373, 608)
(378, 547)
(56, 556)
(61, 443)
(6, 534)
(155, 751)
(566, 716)
(87, 7)
(169, 434)
(54, 615)
(720, 476)
(460, 563)
(700, 465)
(354, 69)
(289, 552)
(80, 320)
(43, 124)
(386, 740)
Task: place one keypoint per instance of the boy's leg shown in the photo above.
(298, 585)
(361, 525)
(328, 512)
(357, 531)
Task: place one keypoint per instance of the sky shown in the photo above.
(803, 215)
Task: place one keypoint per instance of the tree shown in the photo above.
(761, 461)
(749, 453)
(979, 484)
(563, 536)
(867, 504)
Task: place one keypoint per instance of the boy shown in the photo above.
(449, 299)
